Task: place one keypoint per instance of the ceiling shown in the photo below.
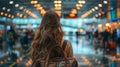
(67, 6)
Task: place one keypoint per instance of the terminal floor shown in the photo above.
(83, 50)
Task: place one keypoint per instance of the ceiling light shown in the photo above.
(79, 1)
(59, 2)
(55, 1)
(83, 2)
(100, 5)
(5, 14)
(77, 5)
(25, 16)
(2, 13)
(16, 5)
(58, 5)
(93, 9)
(8, 10)
(12, 16)
(4, 8)
(21, 15)
(99, 14)
(21, 8)
(11, 2)
(32, 2)
(38, 5)
(9, 15)
(24, 10)
(96, 15)
(41, 8)
(35, 2)
(18, 14)
(90, 11)
(105, 2)
(80, 5)
(96, 8)
(78, 8)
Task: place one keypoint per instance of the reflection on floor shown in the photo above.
(83, 50)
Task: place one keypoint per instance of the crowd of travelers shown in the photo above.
(107, 39)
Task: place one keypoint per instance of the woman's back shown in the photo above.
(48, 35)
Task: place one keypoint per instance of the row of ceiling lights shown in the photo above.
(80, 4)
(38, 6)
(58, 6)
(93, 9)
(100, 5)
(97, 15)
(21, 15)
(22, 8)
(7, 15)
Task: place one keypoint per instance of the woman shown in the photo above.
(49, 34)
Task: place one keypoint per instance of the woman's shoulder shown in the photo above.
(66, 42)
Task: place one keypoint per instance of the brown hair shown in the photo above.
(48, 34)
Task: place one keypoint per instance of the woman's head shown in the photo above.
(49, 33)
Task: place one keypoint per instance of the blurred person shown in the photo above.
(77, 37)
(118, 36)
(11, 37)
(1, 42)
(24, 39)
(106, 37)
(30, 35)
(114, 35)
(48, 35)
(118, 42)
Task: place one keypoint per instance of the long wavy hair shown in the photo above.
(48, 34)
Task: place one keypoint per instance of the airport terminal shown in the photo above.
(91, 26)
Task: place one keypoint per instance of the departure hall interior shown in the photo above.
(92, 27)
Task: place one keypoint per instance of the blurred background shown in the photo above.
(92, 27)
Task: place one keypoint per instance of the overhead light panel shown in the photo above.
(100, 5)
(59, 2)
(2, 13)
(90, 11)
(12, 16)
(8, 10)
(35, 2)
(80, 5)
(79, 1)
(96, 8)
(93, 9)
(105, 2)
(6, 14)
(99, 14)
(16, 5)
(83, 2)
(4, 8)
(21, 8)
(9, 15)
(55, 1)
(96, 15)
(11, 2)
(78, 8)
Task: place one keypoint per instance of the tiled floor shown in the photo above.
(84, 52)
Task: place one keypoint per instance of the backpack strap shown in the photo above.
(48, 57)
(64, 45)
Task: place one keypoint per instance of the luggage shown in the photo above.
(112, 45)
